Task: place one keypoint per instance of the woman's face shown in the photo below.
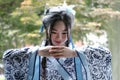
(59, 34)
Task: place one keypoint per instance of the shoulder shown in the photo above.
(95, 50)
(18, 52)
(15, 52)
(95, 54)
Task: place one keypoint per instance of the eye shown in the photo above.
(64, 32)
(53, 32)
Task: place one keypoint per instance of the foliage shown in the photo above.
(20, 20)
(7, 6)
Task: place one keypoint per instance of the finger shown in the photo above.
(57, 55)
(57, 47)
(56, 51)
(51, 51)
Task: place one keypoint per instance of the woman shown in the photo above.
(57, 58)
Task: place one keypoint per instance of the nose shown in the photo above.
(59, 36)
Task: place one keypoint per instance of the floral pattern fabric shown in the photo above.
(52, 73)
(16, 62)
(99, 61)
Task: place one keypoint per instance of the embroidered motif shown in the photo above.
(16, 63)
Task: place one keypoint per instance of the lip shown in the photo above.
(58, 42)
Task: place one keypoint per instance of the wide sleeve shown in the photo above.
(99, 62)
(16, 63)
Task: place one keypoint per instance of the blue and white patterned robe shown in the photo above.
(17, 62)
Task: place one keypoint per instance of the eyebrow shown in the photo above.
(56, 30)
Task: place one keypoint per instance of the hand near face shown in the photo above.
(44, 51)
(57, 51)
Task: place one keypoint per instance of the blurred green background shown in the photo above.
(96, 22)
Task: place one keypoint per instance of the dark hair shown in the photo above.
(49, 24)
(52, 16)
(65, 17)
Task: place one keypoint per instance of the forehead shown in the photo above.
(59, 25)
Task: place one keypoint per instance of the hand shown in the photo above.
(44, 51)
(56, 51)
(61, 51)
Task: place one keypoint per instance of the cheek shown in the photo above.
(64, 37)
(53, 36)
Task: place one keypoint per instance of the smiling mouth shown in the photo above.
(58, 42)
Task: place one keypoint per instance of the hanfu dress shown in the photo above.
(92, 63)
